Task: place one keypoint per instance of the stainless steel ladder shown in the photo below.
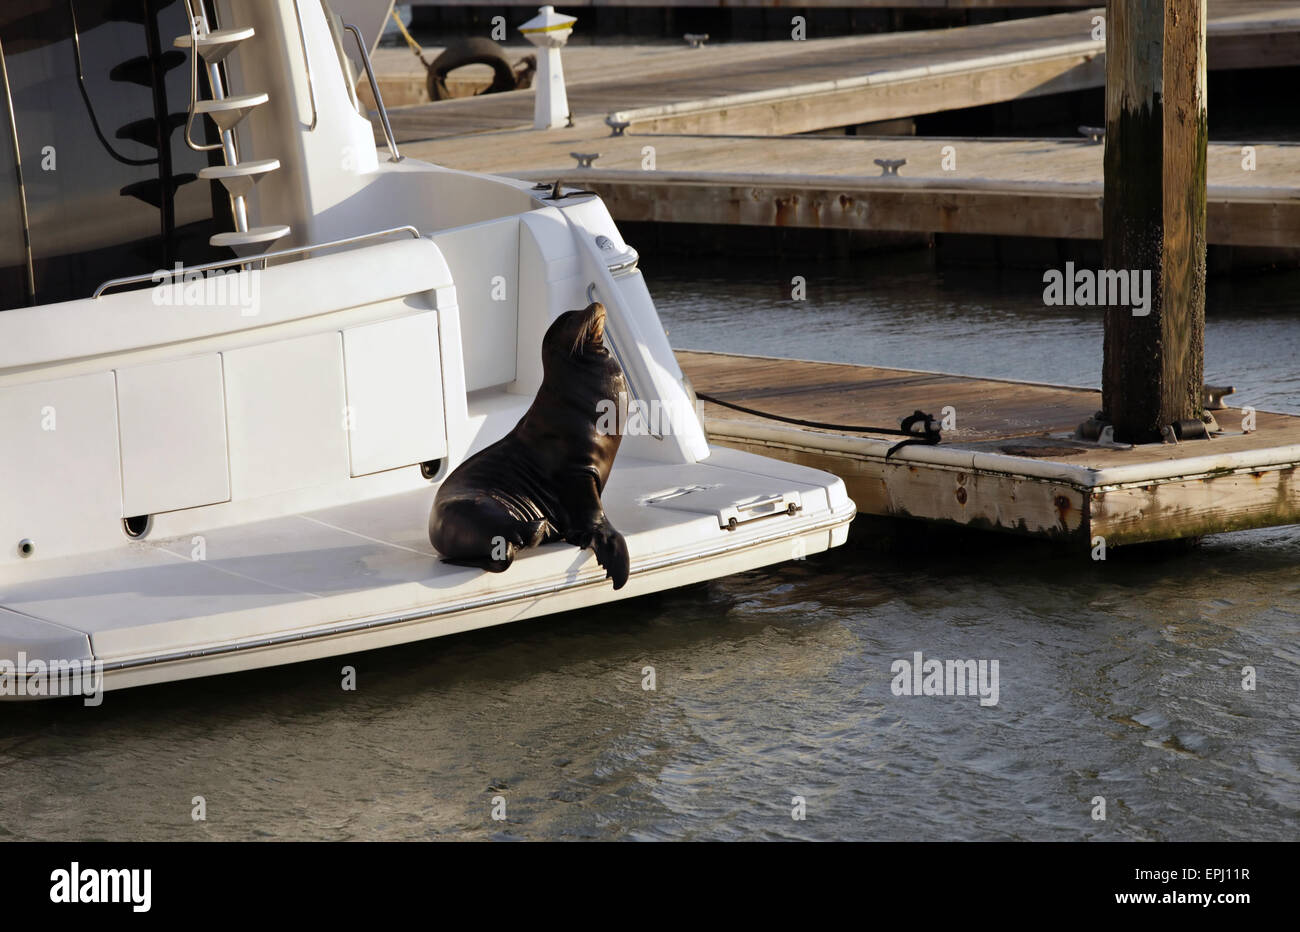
(226, 112)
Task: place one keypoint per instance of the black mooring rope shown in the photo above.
(929, 433)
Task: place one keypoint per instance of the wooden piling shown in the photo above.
(1154, 212)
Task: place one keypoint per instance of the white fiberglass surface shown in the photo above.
(361, 560)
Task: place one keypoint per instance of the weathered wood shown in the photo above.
(1154, 214)
(832, 205)
(1008, 187)
(939, 494)
(984, 475)
(807, 112)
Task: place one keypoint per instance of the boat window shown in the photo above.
(98, 98)
(14, 285)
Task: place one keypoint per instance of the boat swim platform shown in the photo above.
(781, 87)
(1011, 463)
(1009, 187)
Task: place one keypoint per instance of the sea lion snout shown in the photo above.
(596, 323)
(590, 327)
(574, 332)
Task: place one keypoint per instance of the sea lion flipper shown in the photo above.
(481, 532)
(611, 553)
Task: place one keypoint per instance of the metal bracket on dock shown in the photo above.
(1187, 429)
(890, 166)
(696, 39)
(1094, 133)
(585, 158)
(1099, 433)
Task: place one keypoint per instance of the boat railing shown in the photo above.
(155, 277)
(374, 89)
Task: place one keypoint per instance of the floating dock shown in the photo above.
(1011, 463)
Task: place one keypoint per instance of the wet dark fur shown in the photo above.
(542, 481)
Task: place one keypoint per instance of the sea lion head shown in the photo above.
(576, 334)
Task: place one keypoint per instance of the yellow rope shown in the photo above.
(415, 46)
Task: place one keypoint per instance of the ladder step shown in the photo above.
(230, 110)
(252, 241)
(216, 45)
(239, 179)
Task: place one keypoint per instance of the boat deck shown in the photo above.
(363, 575)
(1011, 463)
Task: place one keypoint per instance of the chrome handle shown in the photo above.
(374, 89)
(195, 23)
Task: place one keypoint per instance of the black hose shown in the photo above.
(928, 435)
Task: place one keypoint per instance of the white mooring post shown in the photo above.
(549, 31)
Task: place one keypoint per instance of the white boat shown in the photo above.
(224, 466)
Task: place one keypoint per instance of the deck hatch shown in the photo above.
(393, 375)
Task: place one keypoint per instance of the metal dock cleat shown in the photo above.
(1214, 395)
(618, 123)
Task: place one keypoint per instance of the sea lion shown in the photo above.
(542, 481)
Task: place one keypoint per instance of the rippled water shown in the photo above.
(1120, 679)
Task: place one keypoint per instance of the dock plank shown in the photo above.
(1017, 187)
(963, 67)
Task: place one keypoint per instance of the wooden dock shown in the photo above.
(784, 87)
(719, 124)
(1012, 463)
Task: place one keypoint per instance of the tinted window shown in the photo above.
(99, 98)
(13, 254)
